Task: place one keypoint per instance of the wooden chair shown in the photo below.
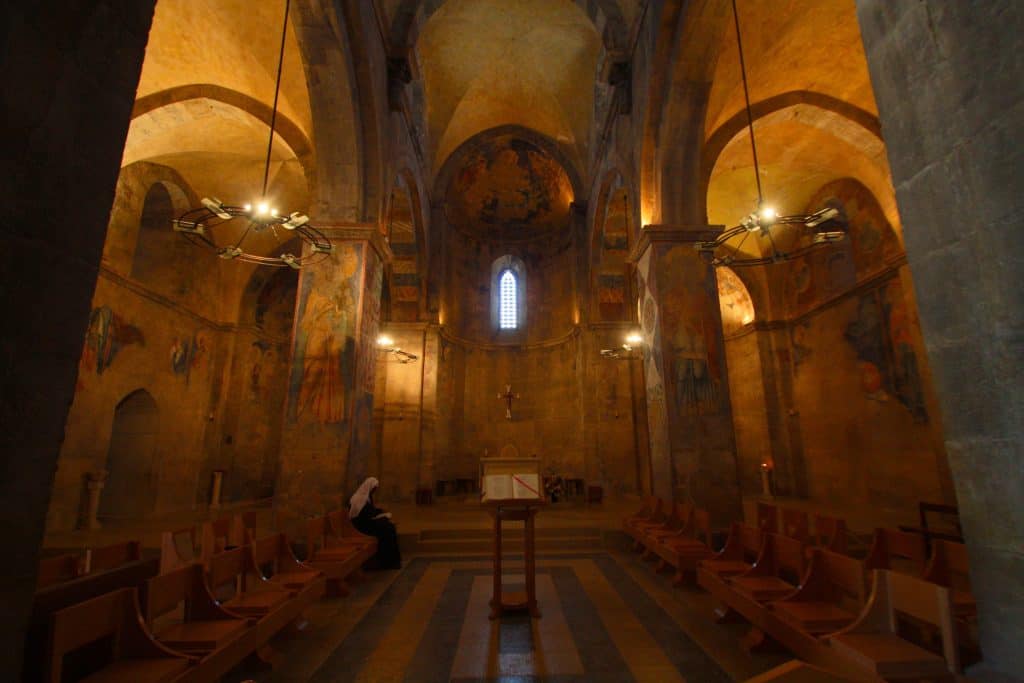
(178, 549)
(136, 656)
(273, 559)
(829, 598)
(873, 643)
(686, 550)
(203, 626)
(111, 556)
(779, 569)
(741, 550)
(830, 533)
(768, 518)
(898, 551)
(795, 524)
(948, 567)
(674, 525)
(58, 569)
(337, 562)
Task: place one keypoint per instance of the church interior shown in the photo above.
(736, 280)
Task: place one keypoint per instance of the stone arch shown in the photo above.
(736, 124)
(131, 486)
(161, 257)
(611, 239)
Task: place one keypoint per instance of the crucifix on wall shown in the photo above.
(508, 396)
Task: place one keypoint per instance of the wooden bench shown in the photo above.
(829, 598)
(830, 533)
(337, 557)
(59, 568)
(639, 526)
(873, 644)
(896, 550)
(796, 524)
(674, 525)
(273, 559)
(739, 553)
(341, 532)
(215, 537)
(687, 549)
(184, 616)
(240, 587)
(178, 549)
(134, 655)
(111, 556)
(650, 503)
(779, 569)
(53, 598)
(948, 567)
(768, 518)
(796, 671)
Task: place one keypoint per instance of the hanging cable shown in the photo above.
(277, 91)
(746, 97)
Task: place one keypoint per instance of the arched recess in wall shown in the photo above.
(404, 293)
(734, 300)
(131, 487)
(162, 259)
(611, 281)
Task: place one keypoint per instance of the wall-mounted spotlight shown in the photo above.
(630, 350)
(387, 345)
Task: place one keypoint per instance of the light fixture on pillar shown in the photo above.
(387, 345)
(788, 237)
(225, 229)
(630, 349)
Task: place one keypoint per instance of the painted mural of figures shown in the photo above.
(323, 392)
(907, 383)
(106, 335)
(696, 386)
(866, 335)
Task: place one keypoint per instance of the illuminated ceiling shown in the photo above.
(489, 63)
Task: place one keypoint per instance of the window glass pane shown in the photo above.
(507, 297)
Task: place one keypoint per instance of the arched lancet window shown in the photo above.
(508, 294)
(508, 320)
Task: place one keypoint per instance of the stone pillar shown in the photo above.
(67, 101)
(94, 482)
(693, 453)
(428, 407)
(328, 422)
(949, 81)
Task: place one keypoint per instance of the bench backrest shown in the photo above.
(767, 518)
(266, 551)
(340, 525)
(227, 569)
(830, 532)
(680, 517)
(795, 524)
(897, 550)
(166, 592)
(844, 577)
(924, 602)
(58, 569)
(948, 565)
(178, 548)
(111, 556)
(700, 526)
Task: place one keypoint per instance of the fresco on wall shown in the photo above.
(510, 183)
(188, 354)
(404, 284)
(370, 324)
(733, 300)
(691, 326)
(882, 338)
(275, 302)
(107, 334)
(323, 367)
(611, 280)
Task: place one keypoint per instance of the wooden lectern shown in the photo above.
(511, 491)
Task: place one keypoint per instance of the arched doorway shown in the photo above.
(131, 489)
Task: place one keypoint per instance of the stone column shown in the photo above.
(327, 432)
(428, 407)
(94, 483)
(693, 453)
(949, 81)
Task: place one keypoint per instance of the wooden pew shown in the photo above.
(829, 598)
(948, 567)
(341, 532)
(638, 527)
(741, 550)
(338, 562)
(779, 569)
(795, 524)
(58, 569)
(896, 550)
(111, 556)
(768, 518)
(178, 549)
(273, 559)
(244, 591)
(686, 550)
(135, 656)
(215, 538)
(58, 596)
(873, 644)
(796, 671)
(202, 626)
(242, 526)
(673, 526)
(830, 533)
(646, 511)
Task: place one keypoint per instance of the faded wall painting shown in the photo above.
(688, 319)
(107, 334)
(614, 250)
(405, 284)
(188, 354)
(510, 184)
(324, 362)
(733, 300)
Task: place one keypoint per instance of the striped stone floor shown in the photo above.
(606, 617)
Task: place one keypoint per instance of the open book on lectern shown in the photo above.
(523, 486)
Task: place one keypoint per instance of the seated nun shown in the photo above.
(374, 521)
